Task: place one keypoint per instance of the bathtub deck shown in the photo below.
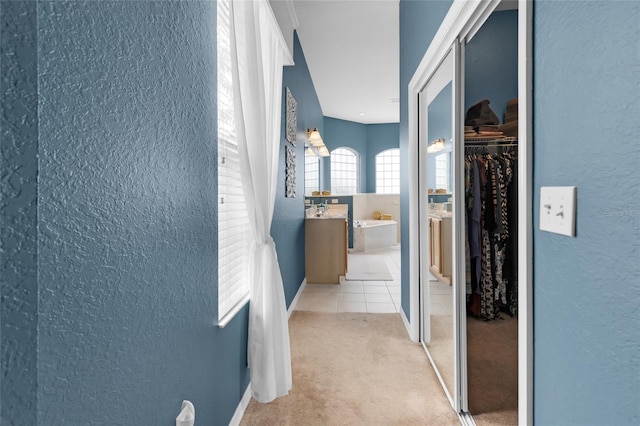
(376, 234)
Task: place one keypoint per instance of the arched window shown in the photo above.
(442, 171)
(388, 172)
(345, 171)
(311, 174)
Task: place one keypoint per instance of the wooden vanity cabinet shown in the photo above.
(440, 245)
(326, 243)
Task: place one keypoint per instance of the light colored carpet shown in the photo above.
(355, 369)
(364, 267)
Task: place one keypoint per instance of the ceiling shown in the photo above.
(352, 51)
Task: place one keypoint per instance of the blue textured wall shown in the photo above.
(127, 217)
(440, 127)
(380, 137)
(587, 289)
(18, 213)
(287, 228)
(491, 63)
(367, 139)
(345, 134)
(419, 22)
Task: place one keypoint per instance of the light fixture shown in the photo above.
(323, 151)
(436, 146)
(314, 137)
(315, 140)
(309, 152)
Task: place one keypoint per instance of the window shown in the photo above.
(311, 174)
(388, 172)
(442, 171)
(345, 171)
(234, 230)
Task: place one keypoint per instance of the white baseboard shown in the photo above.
(242, 406)
(294, 302)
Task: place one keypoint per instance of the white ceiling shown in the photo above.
(352, 51)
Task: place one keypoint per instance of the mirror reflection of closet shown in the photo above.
(491, 73)
(437, 281)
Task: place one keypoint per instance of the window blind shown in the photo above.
(234, 232)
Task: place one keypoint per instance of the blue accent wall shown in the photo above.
(18, 212)
(122, 252)
(287, 228)
(586, 126)
(366, 139)
(344, 134)
(109, 212)
(380, 137)
(491, 63)
(419, 22)
(439, 117)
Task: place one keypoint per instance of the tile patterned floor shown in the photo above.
(371, 296)
(358, 296)
(441, 295)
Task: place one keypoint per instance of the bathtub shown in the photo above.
(374, 234)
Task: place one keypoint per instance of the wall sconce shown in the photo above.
(436, 146)
(309, 152)
(314, 137)
(323, 151)
(316, 141)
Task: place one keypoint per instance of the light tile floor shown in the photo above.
(441, 295)
(371, 296)
(358, 296)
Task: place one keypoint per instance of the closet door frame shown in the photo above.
(462, 22)
(447, 72)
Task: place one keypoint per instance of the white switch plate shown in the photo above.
(334, 201)
(558, 209)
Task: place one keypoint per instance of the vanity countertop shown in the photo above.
(439, 214)
(327, 216)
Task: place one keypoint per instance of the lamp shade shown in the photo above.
(314, 137)
(436, 146)
(323, 151)
(309, 152)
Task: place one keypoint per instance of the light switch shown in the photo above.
(334, 200)
(558, 209)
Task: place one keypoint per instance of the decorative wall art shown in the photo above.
(290, 171)
(291, 117)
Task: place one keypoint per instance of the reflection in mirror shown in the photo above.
(440, 217)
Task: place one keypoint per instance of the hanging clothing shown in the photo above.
(489, 190)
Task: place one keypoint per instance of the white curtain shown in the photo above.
(258, 55)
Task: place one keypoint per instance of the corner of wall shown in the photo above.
(19, 212)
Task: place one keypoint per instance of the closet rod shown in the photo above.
(484, 145)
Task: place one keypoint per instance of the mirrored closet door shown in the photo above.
(468, 157)
(440, 225)
(469, 161)
(490, 168)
